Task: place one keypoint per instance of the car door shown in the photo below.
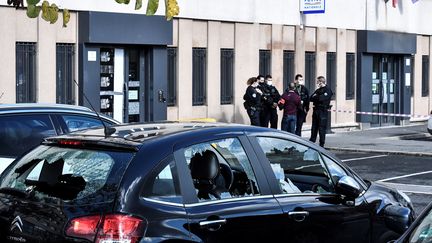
(313, 211)
(242, 209)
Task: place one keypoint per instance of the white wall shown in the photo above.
(346, 14)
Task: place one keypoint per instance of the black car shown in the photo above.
(24, 126)
(421, 230)
(192, 182)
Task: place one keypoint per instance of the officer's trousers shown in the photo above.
(269, 115)
(301, 118)
(254, 116)
(319, 125)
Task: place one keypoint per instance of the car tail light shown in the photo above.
(70, 142)
(108, 228)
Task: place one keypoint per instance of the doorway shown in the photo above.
(386, 76)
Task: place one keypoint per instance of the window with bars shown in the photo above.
(264, 62)
(65, 86)
(350, 76)
(412, 74)
(288, 68)
(172, 76)
(310, 76)
(25, 72)
(331, 72)
(199, 76)
(425, 75)
(227, 76)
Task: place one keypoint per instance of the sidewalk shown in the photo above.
(409, 140)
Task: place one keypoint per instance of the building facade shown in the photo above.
(140, 68)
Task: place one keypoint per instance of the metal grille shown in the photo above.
(264, 62)
(310, 71)
(350, 76)
(172, 76)
(65, 71)
(288, 68)
(425, 75)
(199, 76)
(227, 76)
(331, 72)
(25, 72)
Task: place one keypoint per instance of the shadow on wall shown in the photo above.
(239, 115)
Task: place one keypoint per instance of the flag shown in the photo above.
(394, 3)
(414, 1)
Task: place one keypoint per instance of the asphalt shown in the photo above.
(411, 139)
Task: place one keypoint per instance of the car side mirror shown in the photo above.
(397, 218)
(348, 187)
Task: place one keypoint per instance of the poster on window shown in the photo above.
(312, 6)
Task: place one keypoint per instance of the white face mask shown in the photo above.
(301, 81)
(270, 83)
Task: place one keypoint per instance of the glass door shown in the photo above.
(385, 75)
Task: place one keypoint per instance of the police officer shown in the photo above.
(270, 103)
(264, 100)
(321, 103)
(303, 92)
(252, 102)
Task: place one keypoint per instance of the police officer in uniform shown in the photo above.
(303, 92)
(270, 100)
(252, 102)
(264, 100)
(321, 103)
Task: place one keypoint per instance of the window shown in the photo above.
(25, 72)
(350, 76)
(68, 174)
(331, 72)
(199, 76)
(220, 169)
(310, 76)
(163, 183)
(227, 76)
(412, 74)
(298, 169)
(425, 75)
(75, 123)
(288, 68)
(172, 76)
(264, 62)
(19, 133)
(65, 86)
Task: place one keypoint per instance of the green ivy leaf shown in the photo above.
(152, 7)
(53, 13)
(138, 4)
(66, 17)
(32, 2)
(45, 14)
(33, 11)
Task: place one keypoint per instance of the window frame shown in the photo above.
(26, 62)
(65, 73)
(310, 71)
(288, 68)
(227, 70)
(265, 62)
(190, 198)
(425, 75)
(172, 76)
(199, 76)
(350, 76)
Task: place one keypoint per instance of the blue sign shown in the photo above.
(312, 6)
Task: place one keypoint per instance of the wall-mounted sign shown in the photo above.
(312, 6)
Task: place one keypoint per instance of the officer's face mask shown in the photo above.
(301, 81)
(261, 80)
(270, 82)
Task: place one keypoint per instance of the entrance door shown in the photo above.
(385, 77)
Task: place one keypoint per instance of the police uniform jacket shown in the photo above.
(321, 98)
(303, 92)
(252, 98)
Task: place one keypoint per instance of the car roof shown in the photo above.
(139, 133)
(48, 108)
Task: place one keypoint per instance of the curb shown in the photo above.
(380, 151)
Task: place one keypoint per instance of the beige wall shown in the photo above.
(20, 28)
(246, 40)
(421, 105)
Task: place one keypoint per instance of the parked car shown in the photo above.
(192, 182)
(24, 126)
(430, 124)
(421, 230)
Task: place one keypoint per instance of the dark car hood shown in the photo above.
(382, 195)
